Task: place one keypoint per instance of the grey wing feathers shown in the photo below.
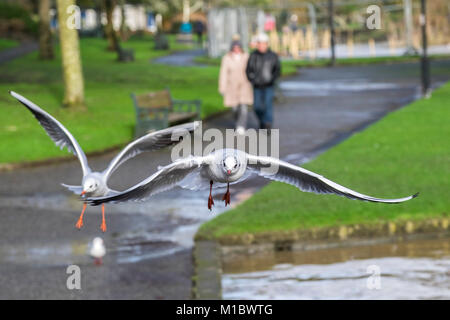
(195, 180)
(55, 130)
(78, 189)
(164, 179)
(309, 181)
(152, 141)
(75, 189)
(200, 180)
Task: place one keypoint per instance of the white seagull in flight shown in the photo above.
(94, 184)
(227, 166)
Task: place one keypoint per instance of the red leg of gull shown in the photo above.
(210, 199)
(226, 196)
(103, 226)
(80, 220)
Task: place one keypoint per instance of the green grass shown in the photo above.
(406, 152)
(287, 67)
(7, 43)
(110, 117)
(290, 66)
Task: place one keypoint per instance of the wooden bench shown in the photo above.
(157, 110)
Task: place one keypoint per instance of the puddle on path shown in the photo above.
(327, 87)
(410, 270)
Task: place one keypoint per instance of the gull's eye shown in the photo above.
(235, 165)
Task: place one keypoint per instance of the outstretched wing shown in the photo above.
(309, 181)
(75, 189)
(166, 178)
(152, 141)
(199, 179)
(55, 130)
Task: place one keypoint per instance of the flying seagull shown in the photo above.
(227, 166)
(95, 184)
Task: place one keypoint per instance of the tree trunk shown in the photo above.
(45, 35)
(70, 52)
(111, 35)
(123, 25)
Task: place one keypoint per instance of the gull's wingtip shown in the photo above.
(15, 95)
(415, 195)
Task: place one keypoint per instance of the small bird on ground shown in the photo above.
(97, 250)
(227, 166)
(95, 184)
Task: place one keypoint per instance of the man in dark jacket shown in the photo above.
(199, 28)
(263, 68)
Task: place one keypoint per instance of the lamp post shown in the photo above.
(331, 24)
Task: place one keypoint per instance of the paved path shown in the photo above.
(362, 50)
(149, 244)
(182, 58)
(22, 49)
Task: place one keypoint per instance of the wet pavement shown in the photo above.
(149, 244)
(182, 58)
(380, 49)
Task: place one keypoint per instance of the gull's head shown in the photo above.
(98, 249)
(90, 185)
(230, 164)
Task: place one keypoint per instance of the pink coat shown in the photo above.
(233, 82)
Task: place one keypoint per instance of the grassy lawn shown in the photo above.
(406, 152)
(110, 118)
(287, 67)
(7, 43)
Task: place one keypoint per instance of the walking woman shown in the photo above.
(233, 84)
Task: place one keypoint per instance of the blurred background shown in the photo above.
(362, 99)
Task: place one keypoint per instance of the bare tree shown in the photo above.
(123, 25)
(45, 35)
(70, 52)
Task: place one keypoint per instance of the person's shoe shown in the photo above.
(262, 125)
(267, 126)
